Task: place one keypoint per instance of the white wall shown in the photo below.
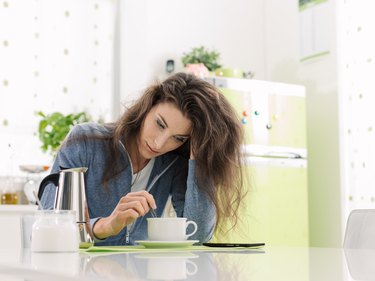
(356, 85)
(153, 31)
(54, 56)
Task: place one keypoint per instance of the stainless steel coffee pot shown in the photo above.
(71, 195)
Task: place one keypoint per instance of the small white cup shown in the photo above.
(169, 229)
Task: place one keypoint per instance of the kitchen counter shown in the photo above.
(13, 218)
(270, 263)
(19, 208)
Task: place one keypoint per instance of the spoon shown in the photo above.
(37, 200)
(153, 213)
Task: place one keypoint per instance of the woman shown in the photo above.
(182, 139)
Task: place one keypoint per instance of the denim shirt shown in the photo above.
(176, 180)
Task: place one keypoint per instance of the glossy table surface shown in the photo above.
(269, 263)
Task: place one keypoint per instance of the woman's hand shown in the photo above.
(128, 209)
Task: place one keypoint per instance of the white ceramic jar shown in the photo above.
(55, 231)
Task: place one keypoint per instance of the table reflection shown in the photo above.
(62, 263)
(153, 266)
(361, 263)
(272, 263)
(170, 266)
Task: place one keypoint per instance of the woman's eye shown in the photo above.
(160, 124)
(180, 139)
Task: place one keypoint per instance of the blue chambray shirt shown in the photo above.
(178, 181)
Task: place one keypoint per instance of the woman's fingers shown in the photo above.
(150, 199)
(126, 217)
(140, 208)
(113, 224)
(129, 208)
(133, 205)
(144, 197)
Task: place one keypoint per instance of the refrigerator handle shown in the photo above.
(278, 154)
(283, 155)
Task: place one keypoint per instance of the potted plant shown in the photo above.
(54, 127)
(201, 56)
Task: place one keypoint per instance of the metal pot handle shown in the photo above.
(52, 178)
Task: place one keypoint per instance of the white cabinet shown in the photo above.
(15, 221)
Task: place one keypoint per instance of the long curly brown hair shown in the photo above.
(215, 140)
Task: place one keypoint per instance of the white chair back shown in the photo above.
(360, 230)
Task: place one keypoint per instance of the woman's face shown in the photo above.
(164, 129)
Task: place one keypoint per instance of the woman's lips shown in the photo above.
(153, 151)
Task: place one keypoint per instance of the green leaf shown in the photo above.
(210, 58)
(53, 128)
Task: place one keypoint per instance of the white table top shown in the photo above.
(271, 263)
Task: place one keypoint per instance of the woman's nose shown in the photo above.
(160, 141)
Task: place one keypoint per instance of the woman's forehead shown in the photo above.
(173, 117)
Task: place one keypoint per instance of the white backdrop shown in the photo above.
(56, 55)
(356, 69)
(153, 31)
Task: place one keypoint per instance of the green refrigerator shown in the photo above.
(273, 115)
